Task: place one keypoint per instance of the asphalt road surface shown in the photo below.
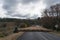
(38, 36)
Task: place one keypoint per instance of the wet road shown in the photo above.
(38, 36)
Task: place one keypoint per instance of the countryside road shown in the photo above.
(38, 36)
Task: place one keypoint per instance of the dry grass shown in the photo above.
(35, 28)
(55, 32)
(13, 36)
(8, 29)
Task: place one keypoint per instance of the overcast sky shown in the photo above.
(24, 8)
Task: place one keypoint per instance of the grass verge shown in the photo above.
(55, 32)
(12, 36)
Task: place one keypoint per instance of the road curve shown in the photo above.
(38, 36)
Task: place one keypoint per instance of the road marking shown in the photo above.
(43, 37)
(48, 36)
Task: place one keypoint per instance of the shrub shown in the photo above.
(23, 25)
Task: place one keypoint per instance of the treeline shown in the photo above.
(8, 19)
(29, 22)
(51, 17)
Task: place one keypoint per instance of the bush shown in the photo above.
(23, 25)
(16, 30)
(3, 34)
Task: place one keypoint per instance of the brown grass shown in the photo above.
(35, 28)
(55, 32)
(13, 36)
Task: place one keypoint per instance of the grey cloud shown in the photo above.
(28, 1)
(25, 16)
(10, 5)
(51, 2)
(19, 15)
(34, 16)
